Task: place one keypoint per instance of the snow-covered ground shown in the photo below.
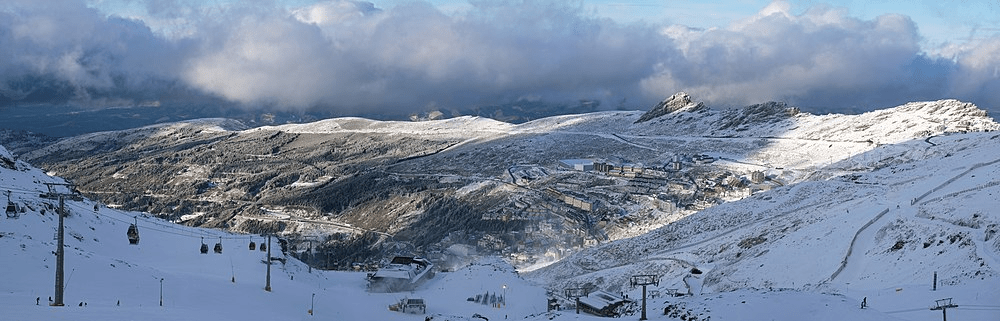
(119, 281)
(877, 204)
(880, 233)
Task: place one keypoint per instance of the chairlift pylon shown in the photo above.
(133, 232)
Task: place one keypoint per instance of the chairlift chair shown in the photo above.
(218, 246)
(204, 247)
(133, 232)
(263, 247)
(11, 210)
(253, 246)
(11, 207)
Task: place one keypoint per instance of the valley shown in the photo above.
(771, 206)
(468, 184)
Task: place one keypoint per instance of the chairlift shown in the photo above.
(11, 207)
(263, 247)
(11, 210)
(204, 247)
(133, 232)
(253, 246)
(218, 246)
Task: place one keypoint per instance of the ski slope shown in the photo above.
(119, 281)
(877, 235)
(879, 203)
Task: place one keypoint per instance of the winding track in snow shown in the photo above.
(980, 248)
(850, 248)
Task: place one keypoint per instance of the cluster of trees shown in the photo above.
(261, 227)
(448, 213)
(340, 251)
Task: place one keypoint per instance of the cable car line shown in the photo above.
(187, 232)
(154, 224)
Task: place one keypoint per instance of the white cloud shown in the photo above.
(821, 58)
(977, 74)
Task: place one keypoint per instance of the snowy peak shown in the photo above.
(953, 115)
(912, 121)
(769, 112)
(677, 102)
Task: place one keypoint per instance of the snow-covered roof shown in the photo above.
(600, 299)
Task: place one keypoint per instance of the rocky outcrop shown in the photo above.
(677, 102)
(6, 159)
(769, 112)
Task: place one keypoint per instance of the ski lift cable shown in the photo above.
(179, 231)
(981, 306)
(36, 192)
(135, 218)
(907, 310)
(22, 191)
(151, 221)
(176, 230)
(145, 219)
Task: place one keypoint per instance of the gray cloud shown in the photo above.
(61, 50)
(821, 59)
(352, 56)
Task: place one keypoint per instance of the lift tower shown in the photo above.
(644, 280)
(60, 239)
(943, 305)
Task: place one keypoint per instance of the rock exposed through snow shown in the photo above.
(677, 102)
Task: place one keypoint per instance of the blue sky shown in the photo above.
(414, 56)
(939, 21)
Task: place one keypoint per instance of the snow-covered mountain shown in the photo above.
(106, 278)
(927, 206)
(479, 178)
(851, 208)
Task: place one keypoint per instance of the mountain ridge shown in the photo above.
(824, 211)
(356, 172)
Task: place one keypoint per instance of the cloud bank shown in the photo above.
(351, 56)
